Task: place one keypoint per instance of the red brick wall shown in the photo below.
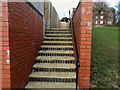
(4, 35)
(24, 35)
(82, 21)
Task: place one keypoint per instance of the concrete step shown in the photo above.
(58, 35)
(57, 43)
(58, 39)
(50, 85)
(57, 32)
(58, 29)
(56, 53)
(54, 67)
(56, 47)
(53, 76)
(55, 59)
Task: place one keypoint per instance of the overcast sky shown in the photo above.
(63, 6)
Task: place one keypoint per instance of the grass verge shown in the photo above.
(104, 63)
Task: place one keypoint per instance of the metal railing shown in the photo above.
(76, 50)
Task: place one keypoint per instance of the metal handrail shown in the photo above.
(75, 47)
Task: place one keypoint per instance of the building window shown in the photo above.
(101, 12)
(101, 22)
(109, 22)
(96, 17)
(101, 17)
(96, 22)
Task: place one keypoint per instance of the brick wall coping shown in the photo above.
(29, 3)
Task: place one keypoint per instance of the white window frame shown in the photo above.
(96, 17)
(101, 22)
(101, 17)
(101, 12)
(96, 22)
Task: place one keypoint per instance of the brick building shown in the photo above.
(104, 18)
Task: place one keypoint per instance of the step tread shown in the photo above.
(57, 51)
(57, 42)
(50, 85)
(56, 46)
(57, 31)
(57, 28)
(53, 75)
(59, 34)
(55, 58)
(54, 65)
(58, 37)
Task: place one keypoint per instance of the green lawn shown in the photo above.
(104, 64)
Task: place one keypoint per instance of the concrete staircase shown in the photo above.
(54, 66)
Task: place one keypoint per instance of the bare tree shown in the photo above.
(118, 14)
(100, 5)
